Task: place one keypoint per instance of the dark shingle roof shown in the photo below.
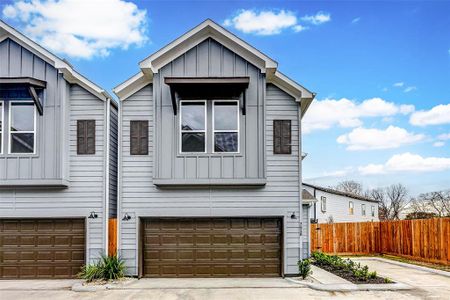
(336, 192)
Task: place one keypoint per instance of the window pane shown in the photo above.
(193, 116)
(22, 117)
(1, 117)
(225, 116)
(193, 142)
(22, 142)
(226, 142)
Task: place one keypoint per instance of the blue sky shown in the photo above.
(381, 70)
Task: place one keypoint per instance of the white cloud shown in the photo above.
(438, 115)
(438, 144)
(444, 136)
(270, 22)
(408, 162)
(410, 89)
(373, 139)
(327, 113)
(318, 18)
(264, 22)
(356, 20)
(81, 29)
(398, 84)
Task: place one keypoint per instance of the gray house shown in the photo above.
(58, 158)
(210, 161)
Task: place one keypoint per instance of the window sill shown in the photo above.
(53, 183)
(256, 182)
(182, 155)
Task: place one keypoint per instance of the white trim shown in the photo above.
(225, 131)
(63, 66)
(206, 29)
(2, 121)
(10, 133)
(132, 85)
(205, 131)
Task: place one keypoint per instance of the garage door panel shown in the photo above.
(210, 247)
(41, 248)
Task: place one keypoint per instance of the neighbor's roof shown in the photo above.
(307, 196)
(209, 29)
(62, 65)
(340, 193)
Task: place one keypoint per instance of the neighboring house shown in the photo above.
(210, 162)
(340, 206)
(58, 146)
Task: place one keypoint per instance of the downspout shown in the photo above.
(106, 215)
(315, 205)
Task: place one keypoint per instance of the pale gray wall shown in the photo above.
(16, 61)
(139, 197)
(64, 104)
(209, 58)
(337, 207)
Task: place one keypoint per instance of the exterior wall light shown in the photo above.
(126, 217)
(293, 216)
(93, 215)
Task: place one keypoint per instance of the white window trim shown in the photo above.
(2, 130)
(205, 131)
(372, 210)
(11, 132)
(351, 208)
(238, 130)
(322, 208)
(363, 209)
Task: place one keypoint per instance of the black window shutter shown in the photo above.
(139, 137)
(86, 137)
(282, 137)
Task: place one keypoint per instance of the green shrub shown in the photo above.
(304, 268)
(106, 268)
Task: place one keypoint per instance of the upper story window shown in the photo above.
(22, 127)
(373, 211)
(1, 127)
(350, 208)
(193, 126)
(282, 137)
(323, 204)
(226, 126)
(203, 121)
(363, 209)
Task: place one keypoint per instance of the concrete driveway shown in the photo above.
(429, 286)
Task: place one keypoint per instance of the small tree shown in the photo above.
(391, 201)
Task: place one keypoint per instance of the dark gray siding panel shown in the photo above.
(47, 164)
(209, 58)
(113, 161)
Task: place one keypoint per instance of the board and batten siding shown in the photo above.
(209, 59)
(139, 197)
(86, 191)
(113, 161)
(48, 163)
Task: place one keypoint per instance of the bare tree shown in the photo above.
(437, 203)
(391, 201)
(350, 186)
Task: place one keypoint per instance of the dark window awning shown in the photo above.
(22, 88)
(207, 88)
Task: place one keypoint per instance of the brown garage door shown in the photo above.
(212, 247)
(41, 248)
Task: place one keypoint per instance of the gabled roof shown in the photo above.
(209, 29)
(307, 197)
(62, 65)
(340, 193)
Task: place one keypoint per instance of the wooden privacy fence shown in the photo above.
(426, 240)
(112, 237)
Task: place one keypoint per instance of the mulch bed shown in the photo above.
(350, 277)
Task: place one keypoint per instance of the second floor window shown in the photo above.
(323, 204)
(1, 127)
(22, 127)
(209, 126)
(350, 208)
(363, 209)
(373, 211)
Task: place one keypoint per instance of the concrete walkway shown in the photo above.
(429, 284)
